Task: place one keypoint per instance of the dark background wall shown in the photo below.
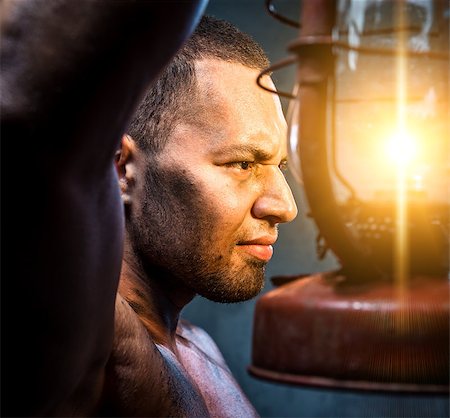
(231, 325)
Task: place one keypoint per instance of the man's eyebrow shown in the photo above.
(245, 151)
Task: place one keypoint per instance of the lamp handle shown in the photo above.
(274, 67)
(315, 40)
(273, 12)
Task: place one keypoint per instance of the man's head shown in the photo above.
(173, 96)
(200, 170)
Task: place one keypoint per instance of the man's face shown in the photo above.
(213, 197)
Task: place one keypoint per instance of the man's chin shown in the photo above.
(235, 290)
(226, 298)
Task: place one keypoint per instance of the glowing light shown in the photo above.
(402, 149)
(405, 151)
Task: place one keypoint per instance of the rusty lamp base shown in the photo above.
(320, 330)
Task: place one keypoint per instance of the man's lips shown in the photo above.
(260, 248)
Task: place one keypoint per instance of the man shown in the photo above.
(201, 178)
(201, 181)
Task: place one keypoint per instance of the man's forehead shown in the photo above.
(222, 82)
(224, 139)
(231, 111)
(224, 88)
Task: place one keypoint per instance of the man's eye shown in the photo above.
(242, 165)
(283, 166)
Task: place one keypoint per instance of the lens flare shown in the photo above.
(402, 149)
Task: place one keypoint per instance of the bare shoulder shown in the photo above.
(205, 364)
(197, 337)
(141, 379)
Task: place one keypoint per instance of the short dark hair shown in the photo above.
(171, 96)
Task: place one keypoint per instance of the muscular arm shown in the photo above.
(72, 74)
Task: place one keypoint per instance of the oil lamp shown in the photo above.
(369, 141)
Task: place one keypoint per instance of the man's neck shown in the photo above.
(156, 299)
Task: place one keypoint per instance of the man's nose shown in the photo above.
(276, 202)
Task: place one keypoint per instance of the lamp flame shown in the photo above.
(402, 149)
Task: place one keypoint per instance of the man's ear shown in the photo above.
(125, 162)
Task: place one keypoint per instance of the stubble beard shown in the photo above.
(175, 233)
